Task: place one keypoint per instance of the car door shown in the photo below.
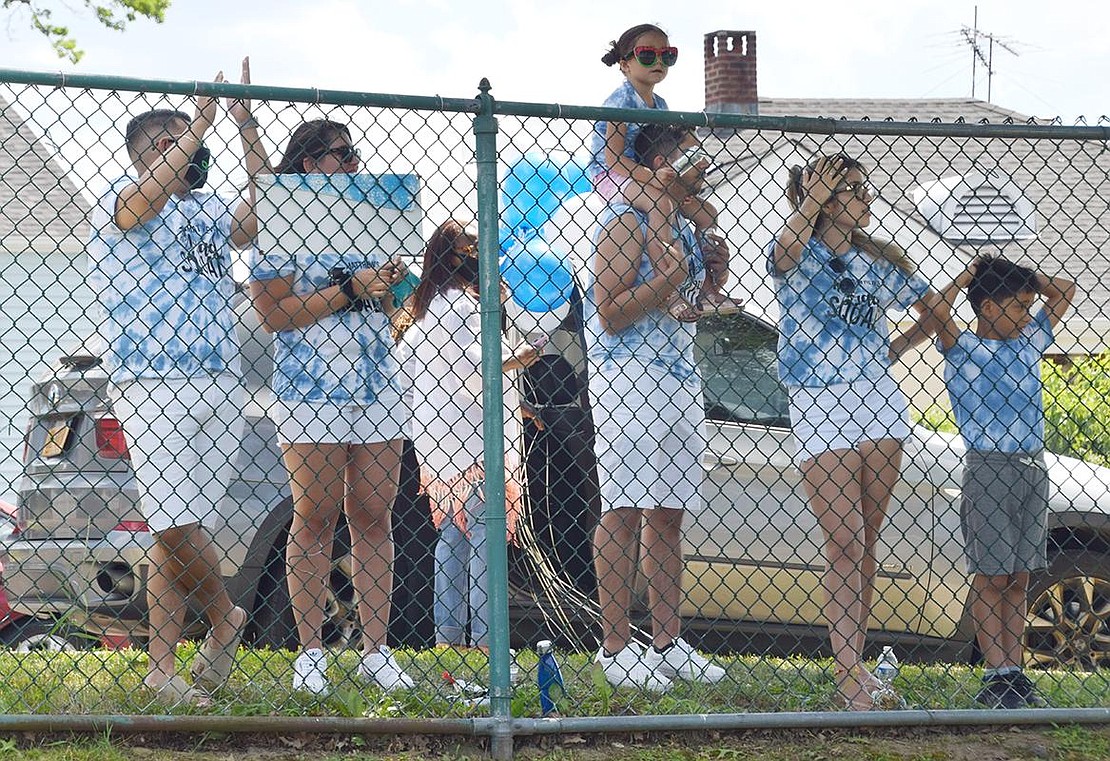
(754, 550)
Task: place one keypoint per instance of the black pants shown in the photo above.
(410, 620)
(563, 492)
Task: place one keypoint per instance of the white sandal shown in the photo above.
(175, 692)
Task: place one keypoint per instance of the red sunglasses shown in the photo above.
(647, 55)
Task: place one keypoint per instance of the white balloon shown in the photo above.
(532, 324)
(570, 231)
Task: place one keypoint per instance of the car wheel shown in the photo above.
(30, 635)
(342, 628)
(1068, 623)
(273, 623)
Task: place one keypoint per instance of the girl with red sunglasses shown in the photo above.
(645, 56)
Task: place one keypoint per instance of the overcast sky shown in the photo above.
(548, 50)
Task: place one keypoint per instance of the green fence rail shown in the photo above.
(753, 563)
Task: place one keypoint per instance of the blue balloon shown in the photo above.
(531, 191)
(539, 279)
(574, 173)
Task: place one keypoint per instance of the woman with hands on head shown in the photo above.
(834, 283)
(339, 416)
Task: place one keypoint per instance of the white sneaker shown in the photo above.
(310, 672)
(680, 661)
(381, 668)
(627, 669)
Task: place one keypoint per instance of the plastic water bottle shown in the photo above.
(886, 669)
(514, 668)
(549, 679)
(468, 693)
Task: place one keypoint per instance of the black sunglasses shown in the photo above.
(344, 154)
(846, 285)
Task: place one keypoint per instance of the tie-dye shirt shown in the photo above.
(624, 96)
(833, 327)
(345, 357)
(995, 388)
(656, 339)
(164, 288)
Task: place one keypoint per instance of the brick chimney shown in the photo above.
(730, 83)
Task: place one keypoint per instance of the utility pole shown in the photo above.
(971, 37)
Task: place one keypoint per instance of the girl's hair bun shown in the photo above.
(613, 56)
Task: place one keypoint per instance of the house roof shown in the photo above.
(41, 210)
(1068, 182)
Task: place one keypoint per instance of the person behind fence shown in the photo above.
(993, 378)
(446, 373)
(645, 56)
(339, 416)
(160, 261)
(834, 283)
(649, 417)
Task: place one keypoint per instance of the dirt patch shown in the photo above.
(911, 744)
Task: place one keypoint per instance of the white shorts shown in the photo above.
(330, 423)
(184, 436)
(844, 414)
(650, 437)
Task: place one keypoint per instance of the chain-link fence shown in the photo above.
(318, 365)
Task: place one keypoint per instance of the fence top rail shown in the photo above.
(808, 124)
(230, 90)
(693, 119)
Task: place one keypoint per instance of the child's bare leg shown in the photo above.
(660, 210)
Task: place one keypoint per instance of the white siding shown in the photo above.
(44, 301)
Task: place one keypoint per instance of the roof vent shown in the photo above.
(976, 208)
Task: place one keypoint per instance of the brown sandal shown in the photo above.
(213, 663)
(725, 306)
(857, 699)
(682, 310)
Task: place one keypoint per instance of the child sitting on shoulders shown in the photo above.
(645, 57)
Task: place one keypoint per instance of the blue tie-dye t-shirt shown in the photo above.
(164, 288)
(832, 325)
(345, 357)
(624, 96)
(656, 339)
(995, 388)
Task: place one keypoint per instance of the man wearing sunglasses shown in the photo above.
(160, 257)
(649, 419)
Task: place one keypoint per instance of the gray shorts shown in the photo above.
(1004, 512)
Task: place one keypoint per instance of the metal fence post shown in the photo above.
(485, 138)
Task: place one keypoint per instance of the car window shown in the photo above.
(737, 356)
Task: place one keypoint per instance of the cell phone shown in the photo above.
(538, 340)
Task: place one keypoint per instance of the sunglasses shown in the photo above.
(344, 154)
(846, 285)
(647, 55)
(860, 189)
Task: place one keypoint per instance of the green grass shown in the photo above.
(105, 682)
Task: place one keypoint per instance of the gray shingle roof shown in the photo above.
(41, 210)
(1067, 181)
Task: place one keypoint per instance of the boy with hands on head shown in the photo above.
(993, 378)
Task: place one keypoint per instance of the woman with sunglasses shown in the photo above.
(645, 56)
(834, 283)
(339, 416)
(445, 369)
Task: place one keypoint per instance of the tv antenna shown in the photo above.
(972, 36)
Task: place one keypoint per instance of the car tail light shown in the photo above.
(132, 527)
(110, 442)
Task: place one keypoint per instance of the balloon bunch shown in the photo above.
(538, 273)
